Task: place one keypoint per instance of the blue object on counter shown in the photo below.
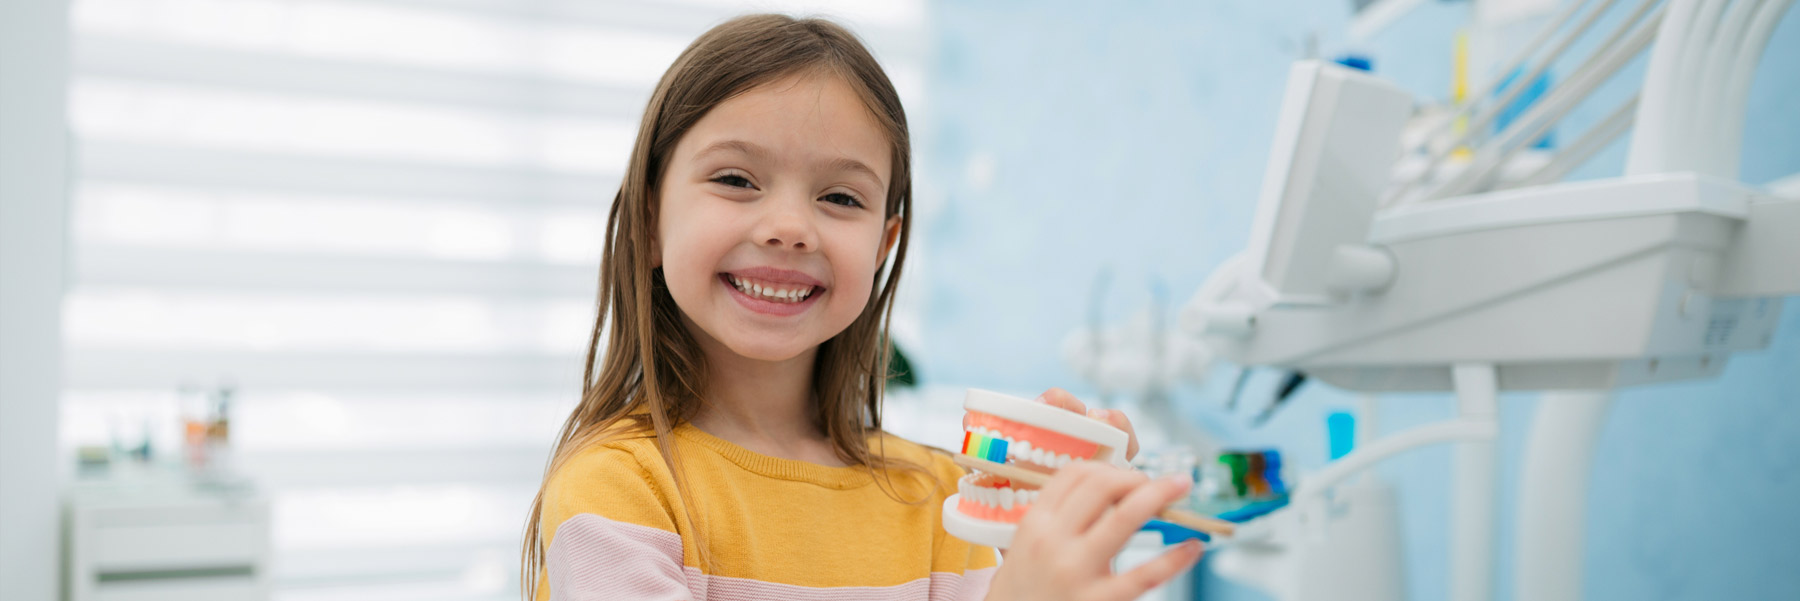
(1174, 533)
(1254, 510)
(1272, 473)
(1356, 61)
(1340, 433)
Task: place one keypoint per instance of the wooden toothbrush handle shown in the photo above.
(1182, 517)
(1195, 521)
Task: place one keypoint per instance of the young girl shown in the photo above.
(728, 444)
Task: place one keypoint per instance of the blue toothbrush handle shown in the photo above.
(1174, 533)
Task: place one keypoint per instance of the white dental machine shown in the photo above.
(1473, 275)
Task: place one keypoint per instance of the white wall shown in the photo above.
(33, 197)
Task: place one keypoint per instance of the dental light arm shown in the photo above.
(1537, 120)
(1728, 137)
(1432, 137)
(1438, 151)
(1599, 66)
(1590, 143)
(1486, 117)
(1715, 78)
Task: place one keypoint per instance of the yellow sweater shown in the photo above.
(776, 528)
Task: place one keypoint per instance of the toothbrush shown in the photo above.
(1180, 517)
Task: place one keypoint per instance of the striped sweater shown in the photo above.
(615, 529)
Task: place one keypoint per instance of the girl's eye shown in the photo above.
(734, 180)
(840, 198)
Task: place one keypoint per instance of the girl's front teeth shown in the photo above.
(771, 293)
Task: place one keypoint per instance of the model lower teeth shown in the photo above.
(992, 498)
(771, 293)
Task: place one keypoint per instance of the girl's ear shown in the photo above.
(889, 237)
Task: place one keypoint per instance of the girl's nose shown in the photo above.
(787, 223)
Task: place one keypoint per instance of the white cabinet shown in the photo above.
(157, 536)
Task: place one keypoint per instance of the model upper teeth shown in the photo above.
(771, 292)
(1022, 450)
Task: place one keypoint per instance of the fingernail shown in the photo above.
(1098, 413)
(1190, 546)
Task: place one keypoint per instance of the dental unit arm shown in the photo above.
(1463, 282)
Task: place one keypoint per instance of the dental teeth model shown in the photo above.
(1028, 434)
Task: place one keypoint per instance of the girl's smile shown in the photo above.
(773, 291)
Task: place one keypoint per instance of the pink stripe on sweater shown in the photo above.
(595, 558)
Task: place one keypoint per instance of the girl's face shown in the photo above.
(771, 225)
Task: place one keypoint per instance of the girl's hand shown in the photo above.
(1064, 546)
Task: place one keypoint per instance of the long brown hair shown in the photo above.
(652, 375)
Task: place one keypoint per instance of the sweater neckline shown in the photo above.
(777, 467)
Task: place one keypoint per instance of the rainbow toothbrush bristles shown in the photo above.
(984, 447)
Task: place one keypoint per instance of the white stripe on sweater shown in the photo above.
(598, 559)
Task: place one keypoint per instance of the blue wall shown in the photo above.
(1064, 139)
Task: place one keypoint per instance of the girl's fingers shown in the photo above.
(1118, 419)
(1133, 584)
(1143, 503)
(1061, 398)
(1082, 506)
(1066, 479)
